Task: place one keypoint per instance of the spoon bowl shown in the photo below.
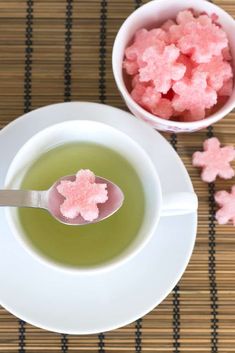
(54, 199)
(51, 200)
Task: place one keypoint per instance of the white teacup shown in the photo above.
(99, 133)
(154, 13)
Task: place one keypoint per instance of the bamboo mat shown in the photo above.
(56, 50)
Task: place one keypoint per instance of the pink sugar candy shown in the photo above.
(214, 17)
(144, 39)
(187, 117)
(151, 100)
(184, 17)
(177, 31)
(215, 160)
(82, 196)
(202, 41)
(227, 88)
(167, 25)
(226, 201)
(188, 63)
(130, 66)
(218, 71)
(139, 89)
(163, 109)
(227, 54)
(194, 95)
(145, 96)
(161, 67)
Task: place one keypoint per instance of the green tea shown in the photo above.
(91, 244)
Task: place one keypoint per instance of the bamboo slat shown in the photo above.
(193, 318)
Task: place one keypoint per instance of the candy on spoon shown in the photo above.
(82, 196)
(214, 160)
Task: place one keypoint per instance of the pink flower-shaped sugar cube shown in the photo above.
(184, 17)
(218, 71)
(161, 67)
(131, 66)
(226, 89)
(82, 196)
(215, 160)
(163, 109)
(226, 53)
(143, 39)
(167, 25)
(148, 98)
(194, 95)
(202, 41)
(188, 63)
(226, 201)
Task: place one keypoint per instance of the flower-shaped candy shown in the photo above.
(218, 71)
(82, 196)
(226, 201)
(148, 98)
(143, 40)
(202, 41)
(161, 67)
(215, 160)
(194, 95)
(227, 88)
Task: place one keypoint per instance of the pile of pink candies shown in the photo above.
(182, 70)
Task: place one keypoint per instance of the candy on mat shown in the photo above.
(82, 196)
(214, 160)
(194, 95)
(187, 54)
(226, 201)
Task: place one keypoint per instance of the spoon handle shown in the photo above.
(23, 198)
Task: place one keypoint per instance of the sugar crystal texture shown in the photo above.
(214, 160)
(218, 71)
(194, 95)
(226, 202)
(82, 196)
(161, 67)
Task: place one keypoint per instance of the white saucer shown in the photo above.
(76, 304)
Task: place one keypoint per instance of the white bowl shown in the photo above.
(153, 14)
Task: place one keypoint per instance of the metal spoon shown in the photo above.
(51, 200)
